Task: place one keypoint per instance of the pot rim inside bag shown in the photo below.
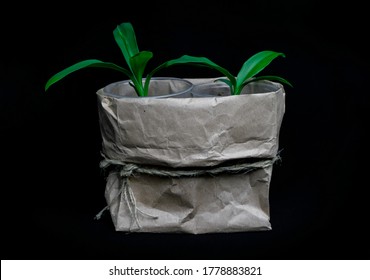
(159, 87)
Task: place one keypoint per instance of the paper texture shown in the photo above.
(190, 133)
(226, 203)
(179, 132)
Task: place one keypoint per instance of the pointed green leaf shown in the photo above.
(254, 65)
(124, 35)
(84, 64)
(191, 60)
(196, 61)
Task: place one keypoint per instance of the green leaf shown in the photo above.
(228, 82)
(269, 78)
(139, 62)
(196, 61)
(191, 60)
(84, 64)
(254, 65)
(124, 35)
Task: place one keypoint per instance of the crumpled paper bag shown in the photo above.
(186, 134)
(180, 132)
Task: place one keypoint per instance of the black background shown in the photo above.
(51, 183)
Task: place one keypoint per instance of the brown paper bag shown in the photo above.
(195, 165)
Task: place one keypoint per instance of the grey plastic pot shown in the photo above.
(160, 87)
(214, 89)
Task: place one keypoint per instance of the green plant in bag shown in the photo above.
(137, 61)
(247, 74)
(251, 67)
